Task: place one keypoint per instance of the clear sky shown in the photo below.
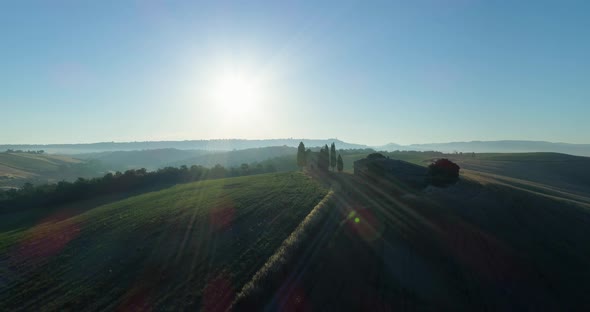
(368, 72)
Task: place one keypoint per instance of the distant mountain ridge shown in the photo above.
(207, 145)
(504, 146)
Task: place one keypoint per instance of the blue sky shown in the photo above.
(363, 71)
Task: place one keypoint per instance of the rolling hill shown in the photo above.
(186, 247)
(238, 157)
(560, 172)
(149, 159)
(504, 146)
(478, 245)
(158, 158)
(510, 235)
(19, 167)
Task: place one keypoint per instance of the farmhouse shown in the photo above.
(379, 166)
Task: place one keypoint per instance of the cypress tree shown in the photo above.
(301, 156)
(333, 156)
(324, 158)
(340, 163)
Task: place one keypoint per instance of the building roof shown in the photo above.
(394, 166)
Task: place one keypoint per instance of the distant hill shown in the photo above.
(149, 159)
(158, 158)
(208, 145)
(238, 157)
(506, 146)
(494, 147)
(17, 168)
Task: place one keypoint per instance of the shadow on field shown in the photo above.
(24, 218)
(383, 247)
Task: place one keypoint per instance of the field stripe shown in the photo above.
(279, 258)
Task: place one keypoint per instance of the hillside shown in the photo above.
(19, 167)
(560, 172)
(510, 235)
(182, 247)
(238, 157)
(278, 156)
(478, 245)
(505, 146)
(148, 159)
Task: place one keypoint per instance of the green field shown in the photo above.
(551, 172)
(17, 168)
(185, 247)
(476, 246)
(34, 162)
(511, 234)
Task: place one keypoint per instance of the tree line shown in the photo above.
(27, 151)
(326, 158)
(111, 183)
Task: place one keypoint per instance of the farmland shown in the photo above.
(17, 168)
(482, 244)
(188, 246)
(511, 234)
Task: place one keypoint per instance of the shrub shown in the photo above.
(375, 156)
(443, 172)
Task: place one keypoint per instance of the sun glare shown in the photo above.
(236, 93)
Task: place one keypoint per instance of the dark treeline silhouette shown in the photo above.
(130, 180)
(27, 151)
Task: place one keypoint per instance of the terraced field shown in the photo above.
(187, 247)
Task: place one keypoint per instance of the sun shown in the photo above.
(236, 93)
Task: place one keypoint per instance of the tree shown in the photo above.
(28, 187)
(333, 156)
(308, 154)
(340, 163)
(374, 156)
(324, 158)
(443, 172)
(245, 168)
(301, 156)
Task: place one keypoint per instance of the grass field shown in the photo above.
(186, 247)
(560, 172)
(510, 235)
(17, 168)
(491, 242)
(35, 162)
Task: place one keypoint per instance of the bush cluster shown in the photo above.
(443, 172)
